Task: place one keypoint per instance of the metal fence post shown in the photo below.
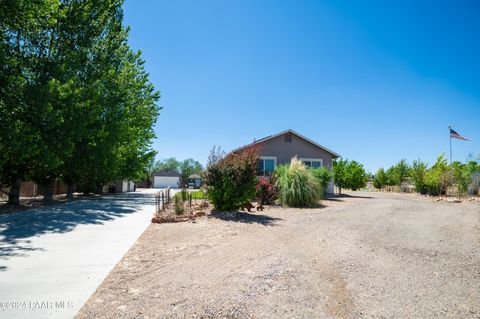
(163, 201)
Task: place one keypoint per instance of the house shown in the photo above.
(166, 178)
(280, 148)
(194, 181)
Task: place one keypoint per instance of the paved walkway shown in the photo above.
(52, 259)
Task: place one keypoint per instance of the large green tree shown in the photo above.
(75, 100)
(25, 37)
(349, 174)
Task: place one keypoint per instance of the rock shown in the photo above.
(198, 214)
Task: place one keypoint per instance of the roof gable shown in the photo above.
(270, 137)
(167, 172)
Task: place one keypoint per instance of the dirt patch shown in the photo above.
(359, 256)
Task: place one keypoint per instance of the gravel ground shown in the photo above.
(370, 255)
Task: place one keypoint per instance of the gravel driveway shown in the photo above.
(370, 255)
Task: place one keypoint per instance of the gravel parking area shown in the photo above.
(369, 255)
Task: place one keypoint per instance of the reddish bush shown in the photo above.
(230, 179)
(266, 190)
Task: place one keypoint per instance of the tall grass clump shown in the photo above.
(297, 186)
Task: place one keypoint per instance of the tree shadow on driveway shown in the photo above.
(247, 218)
(16, 229)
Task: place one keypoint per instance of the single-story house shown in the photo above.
(194, 181)
(166, 178)
(280, 148)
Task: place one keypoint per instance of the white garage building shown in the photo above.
(166, 178)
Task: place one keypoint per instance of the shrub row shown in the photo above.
(434, 180)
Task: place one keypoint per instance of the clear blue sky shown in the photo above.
(375, 81)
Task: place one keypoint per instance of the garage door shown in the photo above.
(166, 181)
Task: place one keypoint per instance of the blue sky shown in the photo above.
(375, 81)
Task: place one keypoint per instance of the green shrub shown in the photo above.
(178, 205)
(401, 172)
(473, 169)
(296, 185)
(418, 174)
(380, 179)
(438, 178)
(461, 177)
(324, 177)
(391, 176)
(230, 179)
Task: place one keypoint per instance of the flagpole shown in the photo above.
(450, 135)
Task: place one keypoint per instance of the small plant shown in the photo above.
(266, 190)
(178, 205)
(296, 185)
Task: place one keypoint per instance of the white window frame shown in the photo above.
(274, 158)
(307, 159)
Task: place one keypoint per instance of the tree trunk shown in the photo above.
(48, 192)
(70, 188)
(14, 193)
(340, 191)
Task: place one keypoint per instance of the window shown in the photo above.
(312, 162)
(266, 165)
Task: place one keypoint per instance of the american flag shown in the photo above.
(456, 135)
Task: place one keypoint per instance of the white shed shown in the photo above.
(166, 178)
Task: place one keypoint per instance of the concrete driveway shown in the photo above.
(52, 259)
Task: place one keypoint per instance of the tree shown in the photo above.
(188, 167)
(438, 177)
(340, 176)
(356, 176)
(349, 174)
(473, 169)
(118, 105)
(24, 47)
(391, 176)
(170, 163)
(380, 179)
(418, 173)
(461, 177)
(75, 100)
(401, 172)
